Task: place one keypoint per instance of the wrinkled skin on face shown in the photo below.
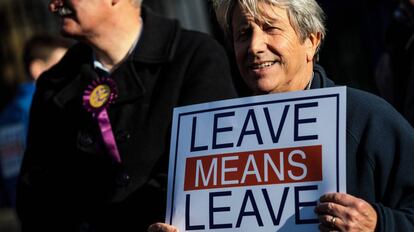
(270, 55)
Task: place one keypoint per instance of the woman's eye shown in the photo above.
(271, 29)
(241, 34)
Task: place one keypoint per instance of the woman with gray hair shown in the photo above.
(275, 43)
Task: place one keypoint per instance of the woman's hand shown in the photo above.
(344, 212)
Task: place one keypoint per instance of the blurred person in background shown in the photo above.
(40, 53)
(395, 70)
(99, 134)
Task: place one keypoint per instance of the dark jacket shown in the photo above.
(68, 182)
(379, 149)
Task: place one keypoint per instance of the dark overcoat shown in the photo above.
(68, 182)
(379, 156)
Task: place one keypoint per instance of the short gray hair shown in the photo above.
(306, 16)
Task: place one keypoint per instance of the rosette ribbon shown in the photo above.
(96, 99)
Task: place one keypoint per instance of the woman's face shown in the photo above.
(270, 55)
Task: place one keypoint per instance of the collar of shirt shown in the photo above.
(310, 82)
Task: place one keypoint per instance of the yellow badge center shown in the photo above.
(99, 96)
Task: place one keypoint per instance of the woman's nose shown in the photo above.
(257, 42)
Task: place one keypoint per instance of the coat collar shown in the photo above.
(68, 74)
(159, 39)
(157, 45)
(320, 79)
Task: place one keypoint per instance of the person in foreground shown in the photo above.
(275, 43)
(98, 141)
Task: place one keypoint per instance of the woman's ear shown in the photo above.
(312, 43)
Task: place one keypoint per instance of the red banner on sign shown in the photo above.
(263, 167)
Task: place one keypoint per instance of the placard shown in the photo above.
(257, 163)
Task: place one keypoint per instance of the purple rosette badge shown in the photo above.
(96, 99)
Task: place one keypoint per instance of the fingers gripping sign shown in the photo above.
(344, 212)
(162, 227)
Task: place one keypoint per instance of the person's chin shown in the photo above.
(68, 33)
(69, 28)
(261, 89)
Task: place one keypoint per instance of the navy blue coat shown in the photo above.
(379, 156)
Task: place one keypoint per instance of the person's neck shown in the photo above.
(305, 82)
(112, 47)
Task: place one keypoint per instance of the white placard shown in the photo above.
(257, 163)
